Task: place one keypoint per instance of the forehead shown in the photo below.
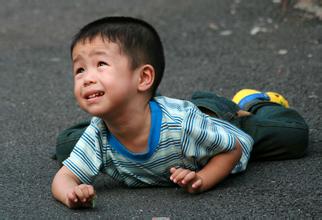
(90, 45)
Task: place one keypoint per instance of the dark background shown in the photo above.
(208, 46)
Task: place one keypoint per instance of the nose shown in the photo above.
(89, 78)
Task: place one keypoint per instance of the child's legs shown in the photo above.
(67, 139)
(279, 133)
(216, 106)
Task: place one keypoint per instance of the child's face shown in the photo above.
(104, 82)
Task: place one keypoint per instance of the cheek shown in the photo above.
(77, 90)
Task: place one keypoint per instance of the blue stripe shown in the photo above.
(203, 134)
(168, 143)
(249, 98)
(160, 162)
(89, 140)
(172, 117)
(84, 158)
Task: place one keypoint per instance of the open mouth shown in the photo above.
(94, 95)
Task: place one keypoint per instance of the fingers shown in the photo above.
(182, 176)
(72, 197)
(173, 169)
(81, 196)
(91, 191)
(82, 192)
(189, 177)
(186, 178)
(179, 174)
(197, 184)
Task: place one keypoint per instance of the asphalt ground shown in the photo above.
(213, 45)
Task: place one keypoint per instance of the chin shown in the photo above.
(97, 113)
(93, 112)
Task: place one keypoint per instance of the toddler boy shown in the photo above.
(137, 138)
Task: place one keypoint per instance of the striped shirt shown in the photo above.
(180, 136)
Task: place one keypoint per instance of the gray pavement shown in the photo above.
(215, 45)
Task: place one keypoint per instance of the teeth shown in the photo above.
(95, 95)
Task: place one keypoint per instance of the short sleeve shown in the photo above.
(86, 159)
(204, 137)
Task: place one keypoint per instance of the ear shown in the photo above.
(146, 79)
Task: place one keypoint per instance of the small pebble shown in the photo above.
(226, 33)
(282, 52)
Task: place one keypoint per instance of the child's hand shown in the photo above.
(187, 179)
(81, 196)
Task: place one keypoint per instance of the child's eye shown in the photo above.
(79, 70)
(101, 63)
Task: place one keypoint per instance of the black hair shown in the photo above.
(136, 38)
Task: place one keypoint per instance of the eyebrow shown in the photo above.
(97, 52)
(78, 57)
(91, 54)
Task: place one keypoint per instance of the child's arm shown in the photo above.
(67, 189)
(215, 170)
